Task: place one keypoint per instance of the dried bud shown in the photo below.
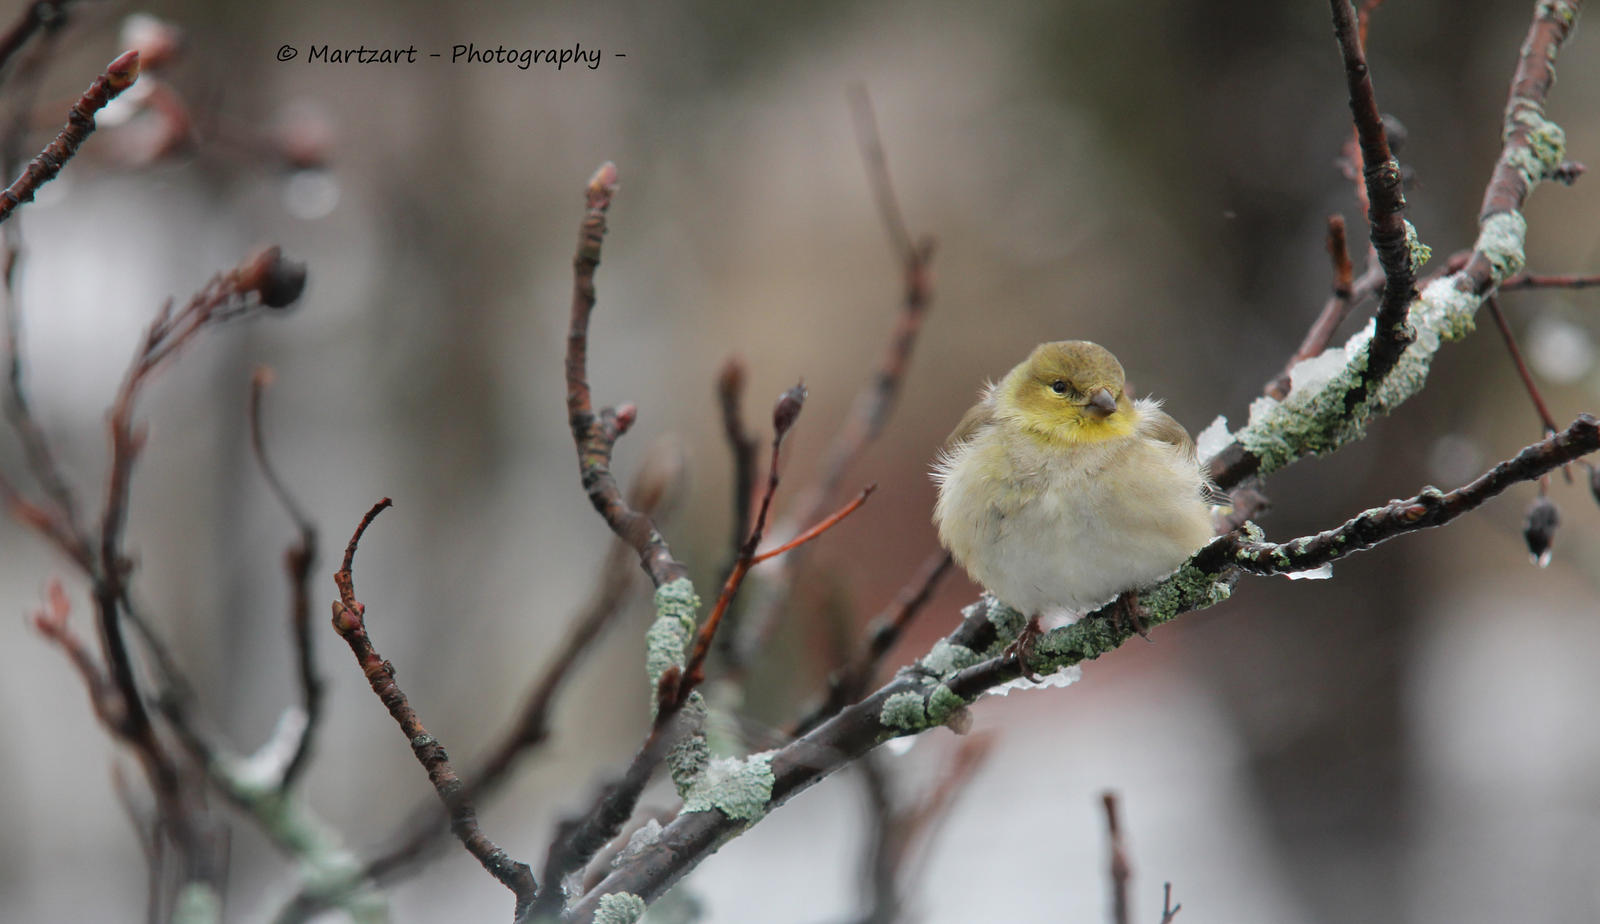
(278, 281)
(1539, 529)
(730, 381)
(787, 410)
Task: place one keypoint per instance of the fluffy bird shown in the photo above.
(1057, 492)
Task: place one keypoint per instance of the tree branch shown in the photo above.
(349, 620)
(119, 75)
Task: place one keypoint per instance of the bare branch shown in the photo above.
(596, 434)
(349, 620)
(119, 75)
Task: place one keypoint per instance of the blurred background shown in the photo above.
(1412, 740)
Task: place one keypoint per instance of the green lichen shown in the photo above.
(689, 757)
(1501, 240)
(1188, 589)
(1008, 622)
(946, 658)
(1309, 421)
(1564, 10)
(1419, 252)
(668, 636)
(1546, 142)
(903, 712)
(618, 908)
(740, 789)
(197, 904)
(943, 702)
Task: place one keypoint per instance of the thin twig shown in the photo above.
(784, 414)
(877, 398)
(349, 620)
(38, 15)
(119, 75)
(1522, 366)
(827, 523)
(1119, 868)
(596, 434)
(742, 446)
(850, 682)
(1334, 311)
(1523, 281)
(1169, 911)
(298, 561)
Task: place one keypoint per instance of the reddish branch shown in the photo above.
(349, 620)
(784, 415)
(1550, 281)
(596, 433)
(827, 523)
(1535, 75)
(118, 76)
(1522, 366)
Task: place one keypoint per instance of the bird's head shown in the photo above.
(1068, 392)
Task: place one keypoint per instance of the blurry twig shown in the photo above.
(877, 398)
(1119, 869)
(298, 561)
(850, 681)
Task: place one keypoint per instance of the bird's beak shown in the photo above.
(1101, 404)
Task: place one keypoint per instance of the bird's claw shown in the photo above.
(1127, 614)
(1022, 649)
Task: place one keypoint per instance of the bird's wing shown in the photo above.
(1160, 425)
(977, 417)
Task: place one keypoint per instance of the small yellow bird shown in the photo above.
(1057, 492)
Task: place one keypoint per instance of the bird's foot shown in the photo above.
(1022, 648)
(1127, 614)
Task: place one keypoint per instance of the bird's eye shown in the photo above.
(1059, 387)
